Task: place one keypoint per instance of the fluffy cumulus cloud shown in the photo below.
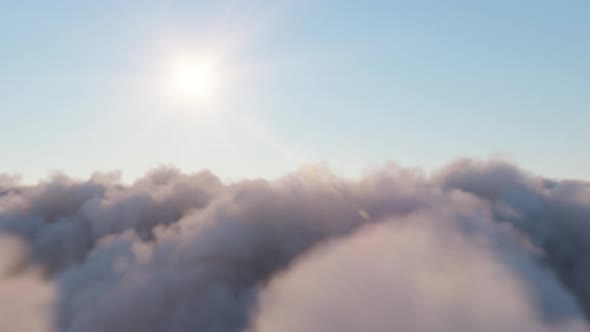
(476, 246)
(25, 298)
(417, 276)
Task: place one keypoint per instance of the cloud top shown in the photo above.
(476, 246)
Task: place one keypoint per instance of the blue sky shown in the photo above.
(348, 83)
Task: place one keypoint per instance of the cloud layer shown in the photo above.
(477, 246)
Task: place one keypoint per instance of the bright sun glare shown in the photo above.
(193, 79)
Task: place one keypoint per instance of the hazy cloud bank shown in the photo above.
(477, 246)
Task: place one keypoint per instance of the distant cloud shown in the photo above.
(479, 246)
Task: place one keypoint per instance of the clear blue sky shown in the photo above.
(348, 83)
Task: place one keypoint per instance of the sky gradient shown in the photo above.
(82, 85)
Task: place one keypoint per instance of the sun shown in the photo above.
(193, 79)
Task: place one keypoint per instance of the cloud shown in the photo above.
(425, 273)
(25, 298)
(478, 245)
